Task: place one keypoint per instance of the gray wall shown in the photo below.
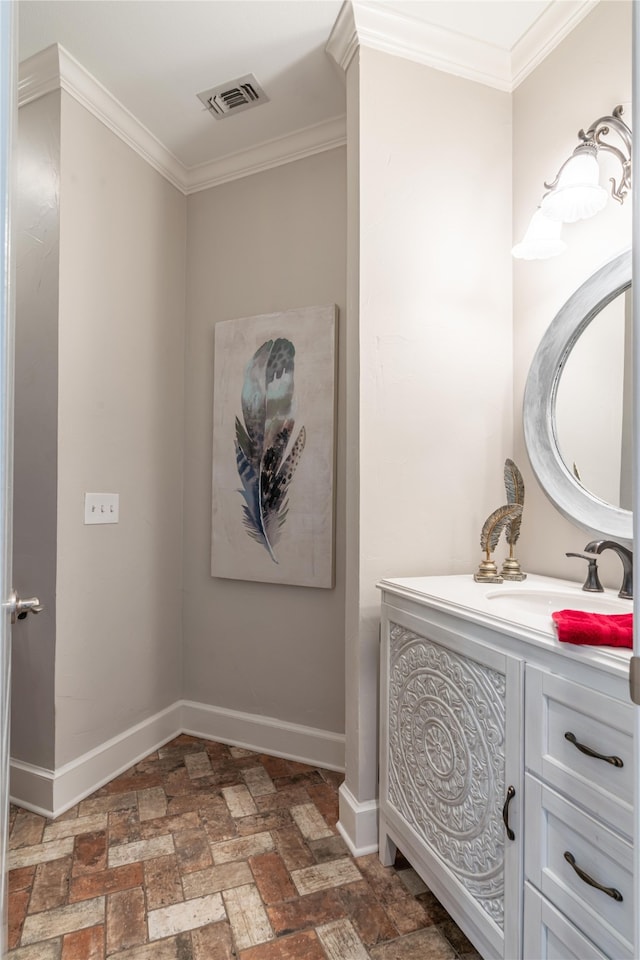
(265, 243)
(37, 230)
(99, 407)
(122, 268)
(104, 402)
(430, 278)
(582, 79)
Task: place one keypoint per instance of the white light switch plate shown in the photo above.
(101, 507)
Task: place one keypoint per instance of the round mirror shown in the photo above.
(577, 405)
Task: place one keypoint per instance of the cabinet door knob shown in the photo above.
(511, 792)
(614, 761)
(610, 891)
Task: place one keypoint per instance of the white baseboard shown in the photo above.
(358, 823)
(51, 792)
(320, 748)
(31, 787)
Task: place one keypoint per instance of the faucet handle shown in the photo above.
(592, 583)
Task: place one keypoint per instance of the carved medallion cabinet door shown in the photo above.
(451, 773)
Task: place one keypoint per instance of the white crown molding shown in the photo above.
(556, 22)
(343, 39)
(38, 75)
(361, 23)
(84, 88)
(379, 26)
(54, 68)
(272, 153)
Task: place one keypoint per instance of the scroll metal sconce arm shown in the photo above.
(601, 129)
(592, 142)
(575, 193)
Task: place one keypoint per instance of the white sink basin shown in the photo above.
(546, 601)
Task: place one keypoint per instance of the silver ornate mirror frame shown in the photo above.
(573, 500)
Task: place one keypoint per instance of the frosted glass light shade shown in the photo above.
(578, 195)
(542, 239)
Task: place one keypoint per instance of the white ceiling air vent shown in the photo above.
(233, 97)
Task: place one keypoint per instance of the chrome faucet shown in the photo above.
(598, 546)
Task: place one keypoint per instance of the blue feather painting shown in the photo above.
(265, 458)
(273, 451)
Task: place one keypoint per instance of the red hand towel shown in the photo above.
(595, 629)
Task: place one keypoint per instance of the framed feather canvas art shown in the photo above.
(274, 409)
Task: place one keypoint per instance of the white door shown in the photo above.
(635, 124)
(7, 118)
(11, 607)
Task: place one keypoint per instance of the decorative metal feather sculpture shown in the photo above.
(514, 485)
(492, 528)
(264, 465)
(494, 525)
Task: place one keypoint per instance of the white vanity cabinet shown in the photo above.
(579, 808)
(451, 766)
(506, 770)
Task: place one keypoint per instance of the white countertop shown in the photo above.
(521, 608)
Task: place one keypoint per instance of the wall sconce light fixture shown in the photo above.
(576, 194)
(542, 239)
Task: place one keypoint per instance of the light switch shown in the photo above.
(101, 507)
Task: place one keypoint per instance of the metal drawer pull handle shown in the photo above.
(615, 761)
(505, 812)
(610, 891)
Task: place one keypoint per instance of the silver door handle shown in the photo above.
(20, 608)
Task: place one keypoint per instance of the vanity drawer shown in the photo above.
(555, 827)
(556, 707)
(548, 935)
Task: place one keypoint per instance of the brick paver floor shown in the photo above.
(208, 852)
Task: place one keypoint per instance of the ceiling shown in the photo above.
(155, 56)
